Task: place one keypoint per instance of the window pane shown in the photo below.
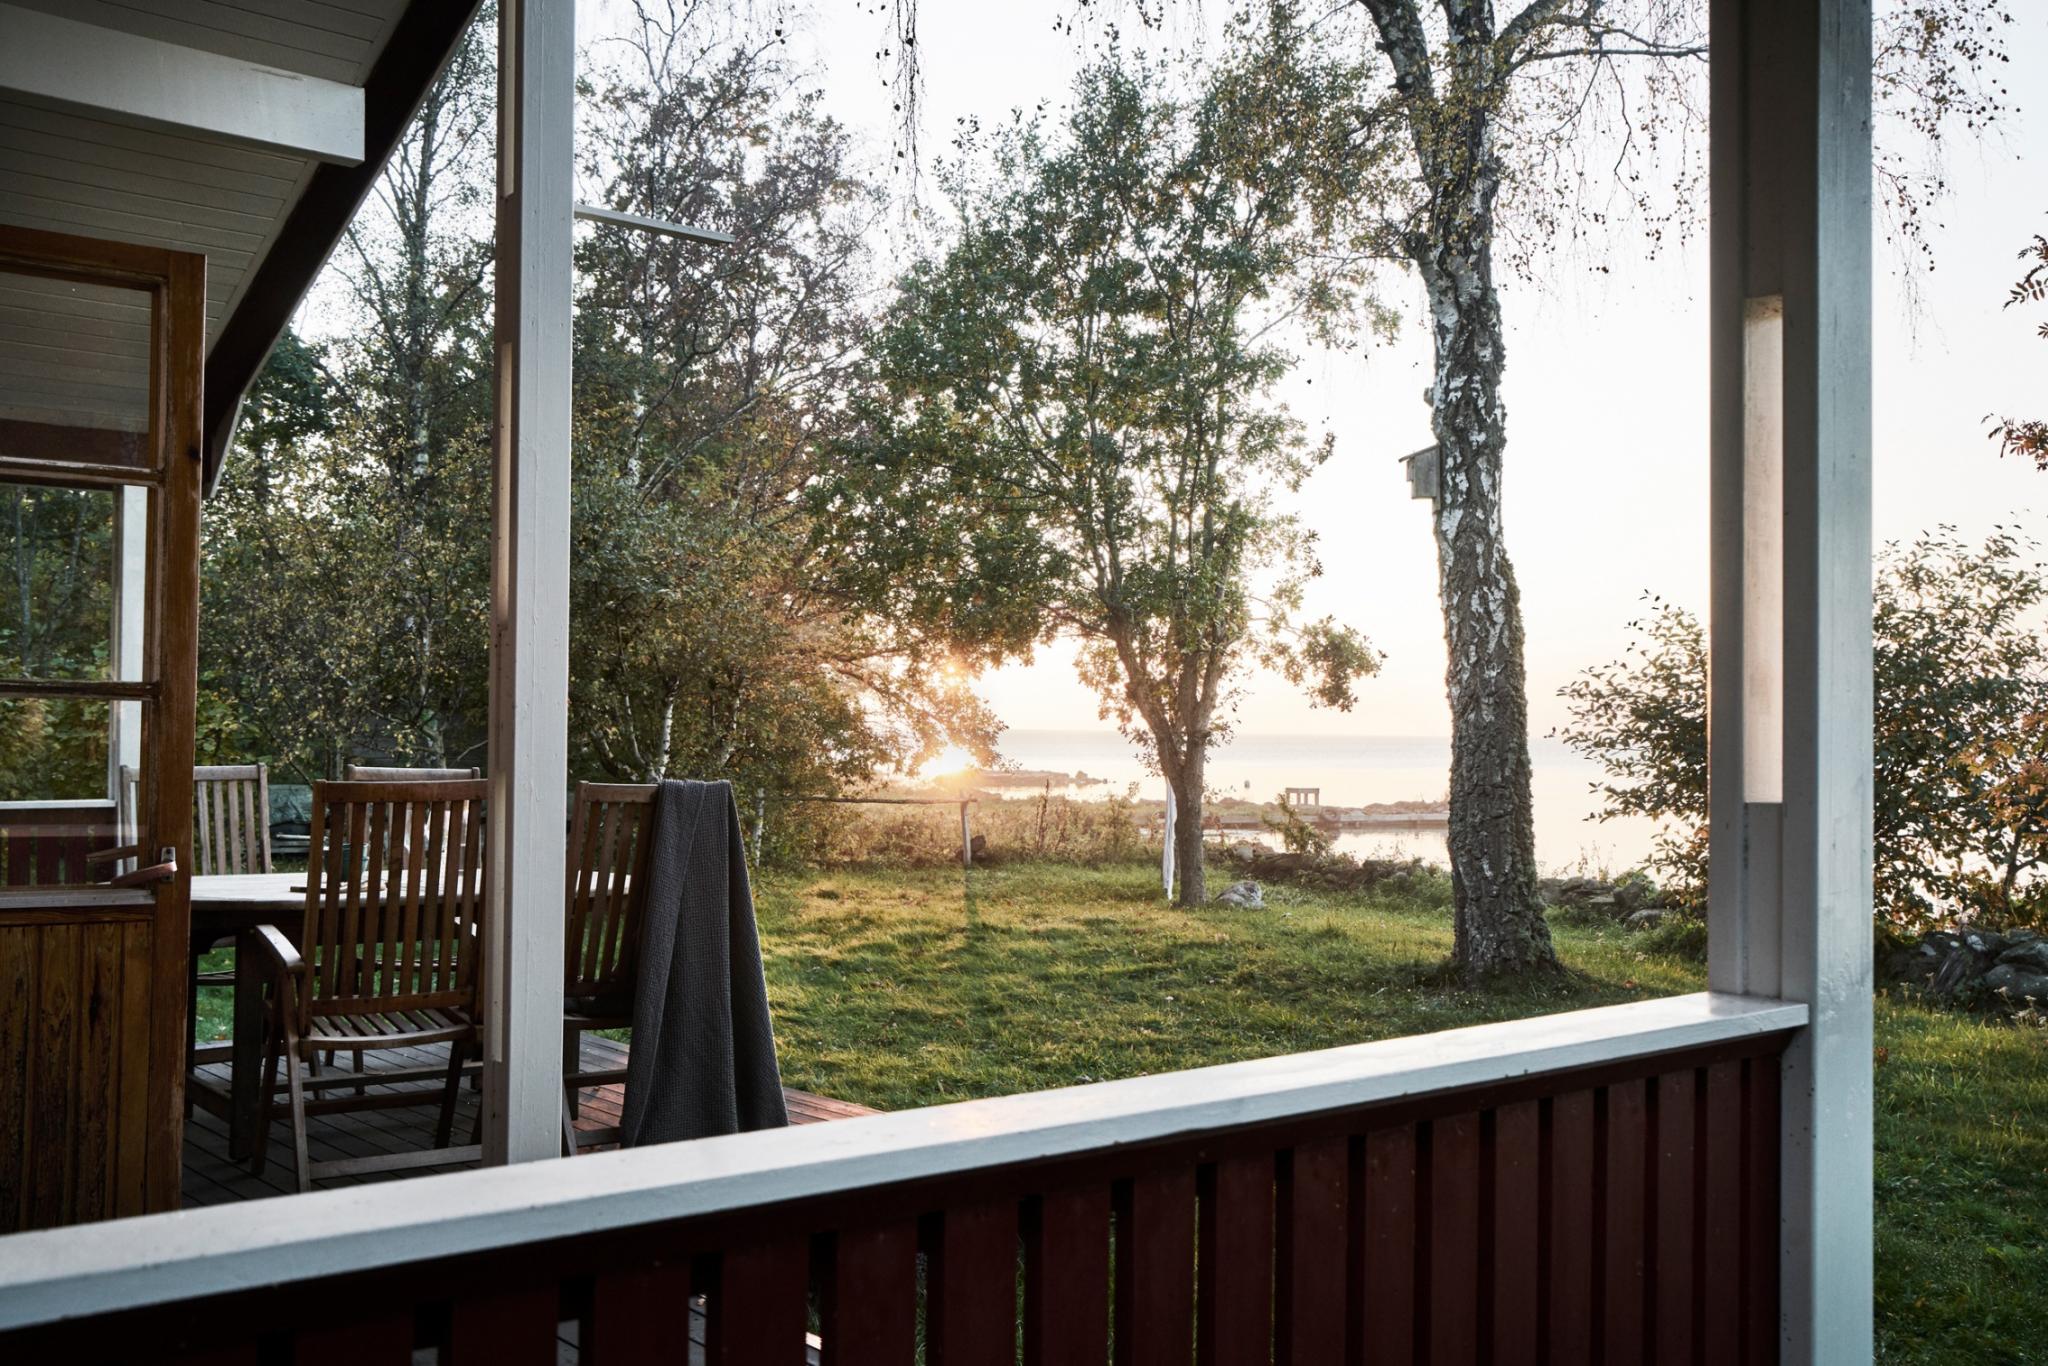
(57, 555)
(53, 749)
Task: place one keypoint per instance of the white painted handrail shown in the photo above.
(51, 1276)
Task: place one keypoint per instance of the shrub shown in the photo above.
(1961, 675)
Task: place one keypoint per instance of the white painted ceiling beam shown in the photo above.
(147, 81)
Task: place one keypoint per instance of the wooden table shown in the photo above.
(228, 905)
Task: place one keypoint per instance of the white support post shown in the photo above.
(529, 716)
(1790, 674)
(131, 584)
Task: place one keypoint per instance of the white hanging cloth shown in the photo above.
(1166, 854)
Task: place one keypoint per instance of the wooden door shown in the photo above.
(101, 346)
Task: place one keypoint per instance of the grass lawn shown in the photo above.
(890, 989)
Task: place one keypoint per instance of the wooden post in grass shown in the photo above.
(966, 836)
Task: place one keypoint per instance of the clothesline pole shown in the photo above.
(966, 837)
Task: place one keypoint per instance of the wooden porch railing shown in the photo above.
(1599, 1186)
(46, 843)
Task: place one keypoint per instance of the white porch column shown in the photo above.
(1790, 690)
(529, 583)
(131, 585)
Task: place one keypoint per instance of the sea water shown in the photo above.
(1355, 771)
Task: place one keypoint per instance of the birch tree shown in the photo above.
(1548, 125)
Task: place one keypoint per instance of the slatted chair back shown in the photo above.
(231, 818)
(394, 896)
(371, 773)
(609, 839)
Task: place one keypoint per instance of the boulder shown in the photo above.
(1634, 892)
(1243, 895)
(2016, 985)
(1953, 962)
(2028, 955)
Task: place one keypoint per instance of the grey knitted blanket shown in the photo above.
(703, 1055)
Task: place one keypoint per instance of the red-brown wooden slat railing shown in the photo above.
(869, 1295)
(1382, 1327)
(44, 846)
(1566, 1231)
(1313, 1197)
(1155, 1275)
(971, 1251)
(632, 1315)
(1624, 1211)
(1066, 1264)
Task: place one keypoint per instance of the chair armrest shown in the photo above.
(113, 855)
(278, 951)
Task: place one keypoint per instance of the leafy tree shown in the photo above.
(2028, 437)
(1076, 433)
(57, 549)
(1644, 717)
(348, 576)
(1961, 673)
(708, 635)
(344, 609)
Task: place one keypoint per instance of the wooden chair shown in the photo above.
(394, 892)
(608, 848)
(374, 773)
(230, 818)
(230, 834)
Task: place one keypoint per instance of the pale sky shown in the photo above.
(1606, 388)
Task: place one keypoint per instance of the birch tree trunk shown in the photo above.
(1492, 840)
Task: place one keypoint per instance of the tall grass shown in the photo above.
(1044, 829)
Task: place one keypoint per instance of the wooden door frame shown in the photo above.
(176, 283)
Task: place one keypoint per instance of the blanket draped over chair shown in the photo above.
(703, 1055)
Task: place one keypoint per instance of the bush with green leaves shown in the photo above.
(1960, 738)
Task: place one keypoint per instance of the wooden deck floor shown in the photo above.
(212, 1179)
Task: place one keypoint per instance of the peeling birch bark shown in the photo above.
(1492, 838)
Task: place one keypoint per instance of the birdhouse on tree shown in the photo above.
(1425, 473)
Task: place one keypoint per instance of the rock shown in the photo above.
(1646, 919)
(1958, 960)
(2027, 955)
(1983, 941)
(1243, 895)
(2016, 985)
(1244, 851)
